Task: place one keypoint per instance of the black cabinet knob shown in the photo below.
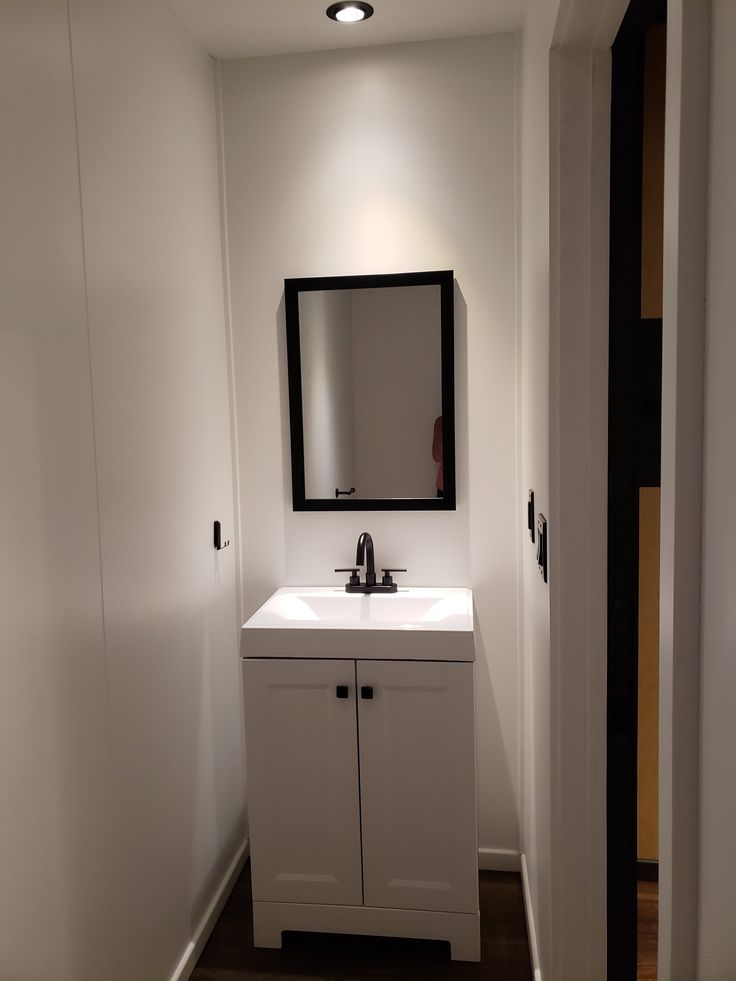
(343, 691)
(366, 691)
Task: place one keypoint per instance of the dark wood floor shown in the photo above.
(231, 956)
(647, 901)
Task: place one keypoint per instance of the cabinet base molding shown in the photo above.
(462, 930)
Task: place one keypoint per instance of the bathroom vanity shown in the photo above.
(360, 742)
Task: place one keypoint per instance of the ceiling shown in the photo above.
(244, 28)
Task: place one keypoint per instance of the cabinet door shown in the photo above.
(417, 778)
(302, 779)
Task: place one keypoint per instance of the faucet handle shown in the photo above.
(354, 577)
(387, 579)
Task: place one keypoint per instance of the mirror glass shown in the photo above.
(366, 376)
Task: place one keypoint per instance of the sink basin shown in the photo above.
(422, 623)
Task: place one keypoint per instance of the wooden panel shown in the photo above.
(647, 920)
(648, 747)
(652, 228)
(302, 758)
(417, 778)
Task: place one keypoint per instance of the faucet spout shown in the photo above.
(364, 556)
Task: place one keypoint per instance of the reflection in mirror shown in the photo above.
(371, 391)
(370, 380)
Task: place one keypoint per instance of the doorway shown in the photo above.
(634, 456)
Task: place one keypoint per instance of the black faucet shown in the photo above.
(364, 556)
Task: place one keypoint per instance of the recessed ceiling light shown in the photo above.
(349, 11)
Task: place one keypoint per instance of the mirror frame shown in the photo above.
(292, 288)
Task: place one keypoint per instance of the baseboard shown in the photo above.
(201, 935)
(530, 925)
(498, 860)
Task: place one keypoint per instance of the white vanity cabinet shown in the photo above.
(362, 803)
(303, 782)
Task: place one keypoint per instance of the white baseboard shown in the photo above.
(201, 935)
(498, 860)
(530, 925)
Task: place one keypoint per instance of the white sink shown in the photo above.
(415, 623)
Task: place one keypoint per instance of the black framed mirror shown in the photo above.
(372, 392)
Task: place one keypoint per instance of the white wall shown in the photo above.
(328, 397)
(121, 748)
(55, 829)
(398, 389)
(717, 938)
(376, 160)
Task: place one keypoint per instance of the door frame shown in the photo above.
(635, 358)
(683, 386)
(580, 112)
